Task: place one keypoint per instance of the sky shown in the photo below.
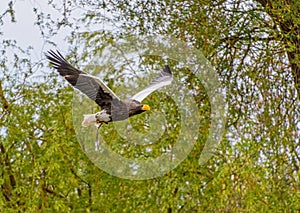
(25, 32)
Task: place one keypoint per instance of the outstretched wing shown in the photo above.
(89, 85)
(163, 79)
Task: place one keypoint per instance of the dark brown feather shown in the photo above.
(80, 80)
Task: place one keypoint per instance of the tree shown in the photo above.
(284, 16)
(254, 46)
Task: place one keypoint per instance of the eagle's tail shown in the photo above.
(89, 119)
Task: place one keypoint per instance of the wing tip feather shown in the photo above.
(167, 69)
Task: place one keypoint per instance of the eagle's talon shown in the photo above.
(99, 124)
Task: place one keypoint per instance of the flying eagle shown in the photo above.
(112, 107)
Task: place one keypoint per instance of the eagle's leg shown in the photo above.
(98, 124)
(102, 116)
(97, 142)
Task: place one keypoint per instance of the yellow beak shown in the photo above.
(145, 107)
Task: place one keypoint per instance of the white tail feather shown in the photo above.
(89, 119)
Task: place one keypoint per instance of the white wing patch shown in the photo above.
(163, 79)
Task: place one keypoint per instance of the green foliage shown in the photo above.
(254, 46)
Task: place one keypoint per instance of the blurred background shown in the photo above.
(253, 46)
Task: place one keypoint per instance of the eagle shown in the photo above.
(112, 107)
